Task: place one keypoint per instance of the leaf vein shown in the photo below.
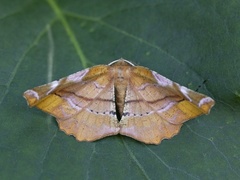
(135, 159)
(14, 72)
(169, 167)
(217, 149)
(59, 13)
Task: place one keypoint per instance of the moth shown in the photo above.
(119, 98)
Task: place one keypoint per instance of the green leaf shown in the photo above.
(194, 43)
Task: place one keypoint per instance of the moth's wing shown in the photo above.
(155, 107)
(83, 103)
(36, 95)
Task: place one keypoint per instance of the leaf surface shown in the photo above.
(194, 43)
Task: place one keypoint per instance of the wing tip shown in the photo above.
(206, 104)
(31, 96)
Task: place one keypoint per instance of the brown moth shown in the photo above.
(119, 98)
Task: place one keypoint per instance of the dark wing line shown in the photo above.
(150, 102)
(84, 107)
(102, 91)
(136, 91)
(83, 97)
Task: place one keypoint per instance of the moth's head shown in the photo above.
(121, 62)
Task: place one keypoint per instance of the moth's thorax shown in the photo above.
(121, 72)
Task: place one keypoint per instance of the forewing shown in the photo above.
(83, 103)
(156, 107)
